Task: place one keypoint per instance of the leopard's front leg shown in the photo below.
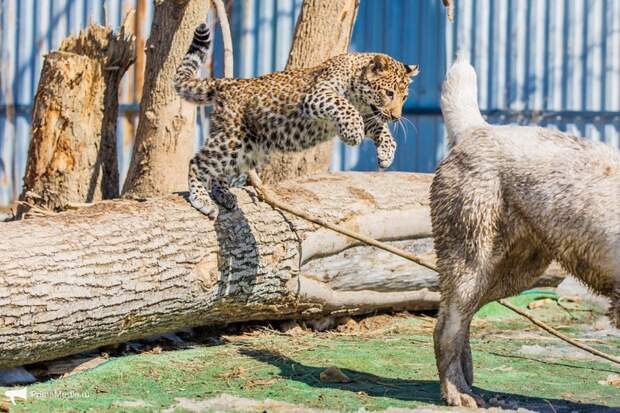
(324, 103)
(384, 141)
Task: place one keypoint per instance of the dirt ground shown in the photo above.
(378, 363)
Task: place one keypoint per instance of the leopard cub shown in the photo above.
(351, 95)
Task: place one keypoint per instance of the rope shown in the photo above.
(268, 198)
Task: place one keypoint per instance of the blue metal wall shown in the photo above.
(552, 62)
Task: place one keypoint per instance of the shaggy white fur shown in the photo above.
(459, 99)
(505, 202)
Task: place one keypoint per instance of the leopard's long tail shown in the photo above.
(186, 81)
(459, 99)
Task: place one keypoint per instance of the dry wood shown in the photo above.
(139, 66)
(368, 268)
(72, 155)
(124, 269)
(166, 128)
(323, 30)
(220, 9)
(267, 197)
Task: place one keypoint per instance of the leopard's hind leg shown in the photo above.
(210, 171)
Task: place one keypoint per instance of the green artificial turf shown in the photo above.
(391, 364)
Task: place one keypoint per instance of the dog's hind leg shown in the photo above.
(509, 271)
(467, 363)
(466, 206)
(451, 338)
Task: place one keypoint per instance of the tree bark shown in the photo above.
(365, 268)
(323, 30)
(72, 155)
(166, 127)
(124, 269)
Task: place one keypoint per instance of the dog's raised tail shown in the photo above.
(459, 99)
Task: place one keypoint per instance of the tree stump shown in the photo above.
(72, 156)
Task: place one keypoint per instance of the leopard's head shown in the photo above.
(384, 86)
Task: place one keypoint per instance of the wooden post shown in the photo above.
(166, 128)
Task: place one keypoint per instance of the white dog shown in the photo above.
(505, 202)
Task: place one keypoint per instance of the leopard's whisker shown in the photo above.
(397, 128)
(412, 124)
(402, 125)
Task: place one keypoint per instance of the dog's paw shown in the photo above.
(462, 399)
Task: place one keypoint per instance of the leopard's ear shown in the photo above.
(378, 64)
(412, 70)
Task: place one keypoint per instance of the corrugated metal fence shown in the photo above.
(552, 62)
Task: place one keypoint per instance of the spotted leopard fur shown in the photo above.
(351, 95)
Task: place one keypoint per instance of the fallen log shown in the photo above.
(125, 269)
(365, 268)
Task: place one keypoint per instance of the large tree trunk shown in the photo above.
(72, 155)
(126, 269)
(166, 129)
(323, 30)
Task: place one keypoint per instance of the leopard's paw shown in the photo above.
(224, 197)
(385, 159)
(203, 203)
(385, 153)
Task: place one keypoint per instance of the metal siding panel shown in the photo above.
(593, 55)
(481, 44)
(8, 73)
(248, 40)
(23, 48)
(265, 36)
(22, 140)
(464, 15)
(412, 52)
(536, 44)
(518, 54)
(42, 39)
(556, 50)
(425, 146)
(431, 55)
(284, 32)
(612, 59)
(6, 155)
(612, 133)
(58, 22)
